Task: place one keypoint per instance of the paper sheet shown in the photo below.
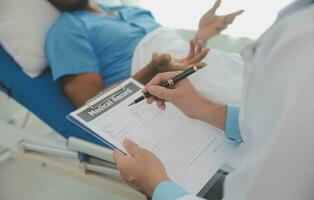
(191, 151)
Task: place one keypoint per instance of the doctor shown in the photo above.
(275, 122)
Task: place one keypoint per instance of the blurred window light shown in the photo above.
(258, 15)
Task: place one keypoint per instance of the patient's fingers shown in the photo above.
(216, 6)
(230, 17)
(160, 59)
(178, 66)
(192, 50)
(200, 47)
(196, 61)
(199, 57)
(202, 54)
(200, 65)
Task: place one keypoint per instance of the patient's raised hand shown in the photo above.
(212, 24)
(164, 62)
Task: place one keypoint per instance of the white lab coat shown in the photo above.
(277, 112)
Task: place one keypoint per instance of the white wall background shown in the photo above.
(259, 14)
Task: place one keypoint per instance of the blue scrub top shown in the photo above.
(83, 41)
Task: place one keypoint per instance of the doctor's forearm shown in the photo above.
(214, 114)
(223, 117)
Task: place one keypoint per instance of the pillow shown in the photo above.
(23, 28)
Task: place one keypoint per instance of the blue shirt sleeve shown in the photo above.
(68, 48)
(232, 130)
(168, 190)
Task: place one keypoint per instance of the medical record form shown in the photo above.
(192, 151)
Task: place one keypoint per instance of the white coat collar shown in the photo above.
(293, 7)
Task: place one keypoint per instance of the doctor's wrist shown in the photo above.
(213, 114)
(155, 183)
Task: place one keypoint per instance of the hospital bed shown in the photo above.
(45, 99)
(76, 153)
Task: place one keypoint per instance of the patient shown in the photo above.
(93, 46)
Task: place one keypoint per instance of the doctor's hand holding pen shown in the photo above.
(184, 96)
(143, 170)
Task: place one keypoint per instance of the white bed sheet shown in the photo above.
(220, 81)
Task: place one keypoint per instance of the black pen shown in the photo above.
(171, 82)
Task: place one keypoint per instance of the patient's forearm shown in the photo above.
(81, 88)
(146, 74)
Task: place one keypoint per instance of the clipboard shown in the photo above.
(96, 102)
(165, 133)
